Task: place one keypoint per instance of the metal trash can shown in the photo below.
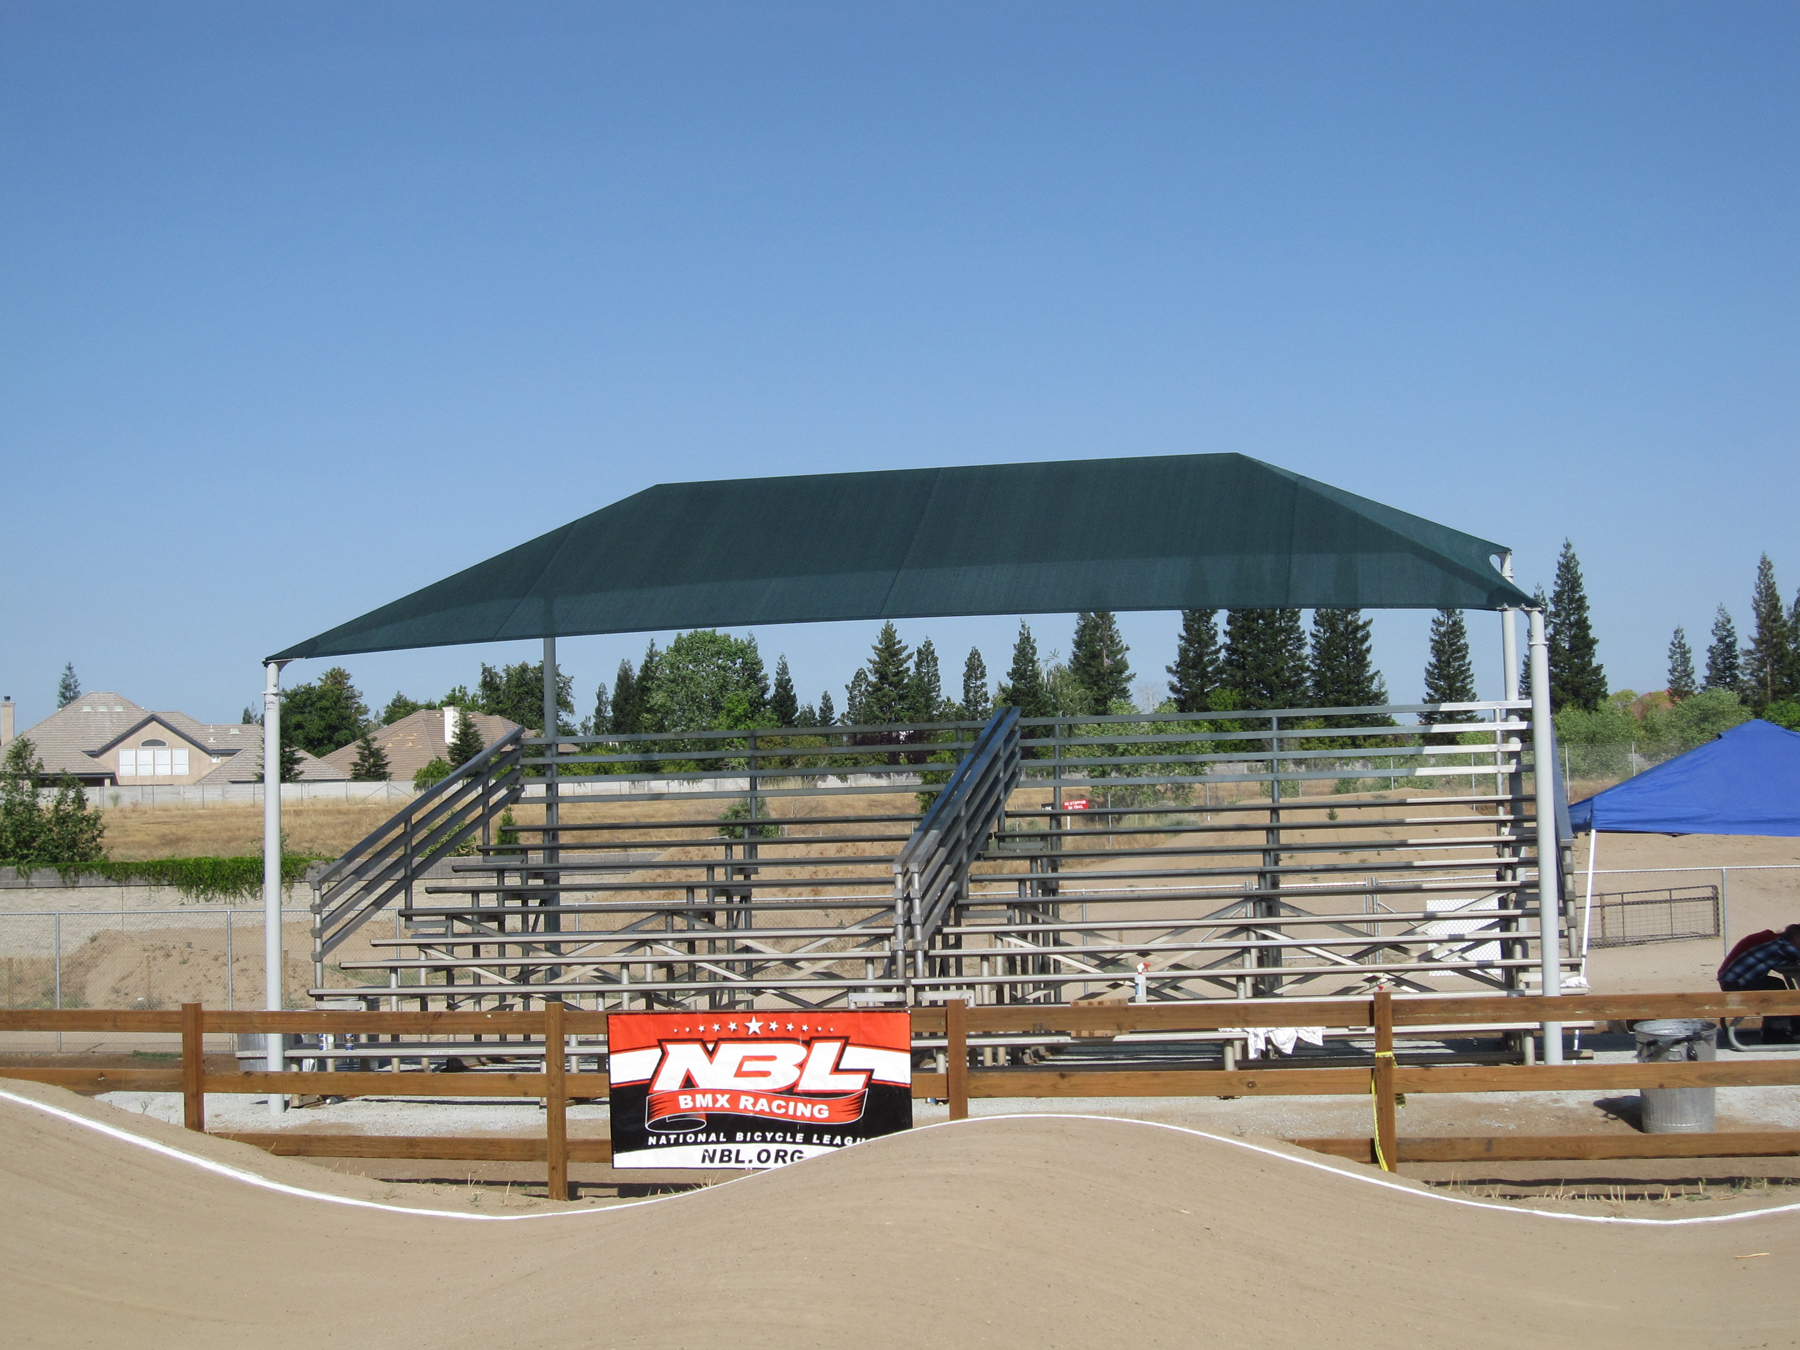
(1668, 1040)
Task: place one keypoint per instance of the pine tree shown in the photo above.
(467, 742)
(856, 699)
(783, 704)
(827, 711)
(371, 765)
(288, 767)
(1682, 683)
(516, 692)
(1265, 658)
(1024, 688)
(601, 722)
(1449, 674)
(1097, 660)
(1577, 679)
(68, 688)
(1343, 671)
(251, 717)
(1768, 668)
(625, 710)
(889, 674)
(977, 705)
(1196, 672)
(925, 686)
(1723, 668)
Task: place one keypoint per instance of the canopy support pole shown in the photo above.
(1587, 908)
(552, 807)
(1543, 750)
(1509, 640)
(272, 1046)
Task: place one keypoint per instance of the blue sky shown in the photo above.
(306, 305)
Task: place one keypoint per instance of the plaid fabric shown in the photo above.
(1757, 962)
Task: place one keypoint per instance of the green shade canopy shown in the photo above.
(1170, 532)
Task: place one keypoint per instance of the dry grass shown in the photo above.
(324, 828)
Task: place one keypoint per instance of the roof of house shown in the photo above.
(70, 738)
(417, 739)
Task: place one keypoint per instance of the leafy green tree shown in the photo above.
(1024, 687)
(784, 705)
(1097, 660)
(1769, 669)
(371, 763)
(62, 834)
(325, 715)
(466, 742)
(1682, 681)
(1577, 679)
(68, 688)
(1069, 697)
(516, 692)
(1784, 714)
(431, 774)
(1449, 673)
(1265, 657)
(925, 686)
(1724, 667)
(1695, 721)
(977, 703)
(627, 708)
(1198, 661)
(400, 706)
(692, 681)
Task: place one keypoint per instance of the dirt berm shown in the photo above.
(1013, 1232)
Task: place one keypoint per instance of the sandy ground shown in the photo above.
(1018, 1232)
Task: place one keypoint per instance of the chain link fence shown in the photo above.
(1648, 929)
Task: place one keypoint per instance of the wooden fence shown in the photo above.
(951, 1026)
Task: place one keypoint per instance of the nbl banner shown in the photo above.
(754, 1089)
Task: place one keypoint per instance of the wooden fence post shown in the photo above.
(1386, 1144)
(956, 1057)
(556, 1131)
(193, 1068)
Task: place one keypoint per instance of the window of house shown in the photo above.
(154, 759)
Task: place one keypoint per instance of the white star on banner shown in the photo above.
(731, 1026)
(754, 1027)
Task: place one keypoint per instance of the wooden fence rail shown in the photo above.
(952, 1025)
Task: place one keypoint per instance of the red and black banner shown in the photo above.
(754, 1089)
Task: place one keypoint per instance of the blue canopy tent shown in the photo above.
(1745, 782)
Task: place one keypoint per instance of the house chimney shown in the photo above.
(450, 712)
(6, 721)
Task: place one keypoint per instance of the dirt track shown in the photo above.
(1008, 1232)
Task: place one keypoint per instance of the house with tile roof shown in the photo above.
(418, 738)
(106, 740)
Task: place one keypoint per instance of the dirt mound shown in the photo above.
(1022, 1232)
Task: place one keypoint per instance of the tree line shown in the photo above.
(1235, 660)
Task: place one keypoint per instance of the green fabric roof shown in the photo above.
(1173, 532)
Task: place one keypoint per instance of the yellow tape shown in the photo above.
(1375, 1107)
